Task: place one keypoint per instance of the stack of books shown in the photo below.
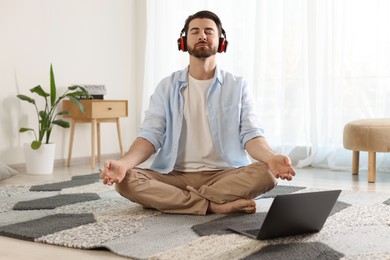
(95, 91)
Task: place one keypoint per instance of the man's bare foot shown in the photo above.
(240, 205)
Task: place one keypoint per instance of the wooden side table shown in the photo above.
(96, 112)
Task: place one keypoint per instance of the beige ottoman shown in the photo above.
(371, 135)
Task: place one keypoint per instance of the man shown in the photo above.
(202, 124)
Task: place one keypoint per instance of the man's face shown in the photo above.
(202, 38)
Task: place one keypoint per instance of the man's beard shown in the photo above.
(202, 53)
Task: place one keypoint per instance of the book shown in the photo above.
(95, 91)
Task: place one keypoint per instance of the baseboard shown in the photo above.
(21, 167)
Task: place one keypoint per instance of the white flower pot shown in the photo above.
(40, 161)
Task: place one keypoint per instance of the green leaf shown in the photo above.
(61, 123)
(26, 98)
(77, 103)
(65, 112)
(43, 115)
(36, 144)
(53, 91)
(77, 94)
(74, 87)
(83, 90)
(39, 90)
(23, 129)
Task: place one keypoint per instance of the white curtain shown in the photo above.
(313, 65)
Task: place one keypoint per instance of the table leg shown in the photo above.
(72, 127)
(118, 128)
(93, 130)
(98, 141)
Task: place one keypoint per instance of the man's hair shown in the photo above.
(203, 14)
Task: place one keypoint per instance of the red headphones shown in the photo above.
(182, 42)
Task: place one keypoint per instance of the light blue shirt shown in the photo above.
(230, 114)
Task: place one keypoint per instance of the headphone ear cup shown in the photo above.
(182, 43)
(222, 44)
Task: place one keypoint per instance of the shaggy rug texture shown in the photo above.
(84, 213)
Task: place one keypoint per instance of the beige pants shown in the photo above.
(191, 192)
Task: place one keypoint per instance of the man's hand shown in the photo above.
(113, 172)
(280, 166)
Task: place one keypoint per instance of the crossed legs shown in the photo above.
(224, 191)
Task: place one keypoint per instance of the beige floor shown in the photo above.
(319, 178)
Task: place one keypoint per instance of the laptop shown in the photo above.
(292, 214)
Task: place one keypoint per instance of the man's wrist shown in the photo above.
(269, 157)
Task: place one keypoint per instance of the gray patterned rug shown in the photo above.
(84, 213)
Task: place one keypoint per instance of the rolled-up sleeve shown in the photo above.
(250, 126)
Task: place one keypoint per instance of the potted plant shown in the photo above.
(47, 117)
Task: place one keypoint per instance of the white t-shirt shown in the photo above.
(196, 147)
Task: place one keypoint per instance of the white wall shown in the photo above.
(87, 41)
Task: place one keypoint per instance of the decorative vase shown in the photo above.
(40, 161)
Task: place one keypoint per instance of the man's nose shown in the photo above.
(202, 36)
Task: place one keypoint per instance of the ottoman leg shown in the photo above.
(355, 162)
(371, 166)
